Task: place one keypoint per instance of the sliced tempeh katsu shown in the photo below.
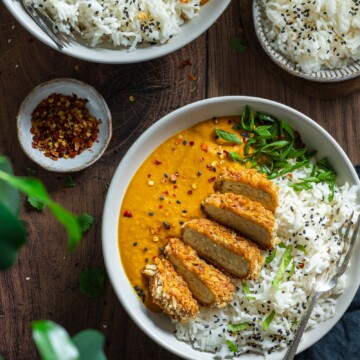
(250, 183)
(169, 291)
(208, 285)
(243, 215)
(232, 253)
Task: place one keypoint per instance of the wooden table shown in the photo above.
(44, 282)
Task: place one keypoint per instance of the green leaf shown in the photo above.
(285, 126)
(53, 342)
(271, 257)
(90, 345)
(263, 131)
(301, 186)
(301, 248)
(92, 282)
(284, 263)
(34, 202)
(8, 195)
(238, 327)
(275, 145)
(248, 119)
(232, 347)
(238, 44)
(12, 236)
(228, 136)
(247, 291)
(265, 118)
(266, 323)
(85, 221)
(69, 182)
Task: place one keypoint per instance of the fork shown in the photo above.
(326, 281)
(46, 23)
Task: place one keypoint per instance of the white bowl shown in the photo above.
(323, 76)
(111, 55)
(97, 108)
(158, 326)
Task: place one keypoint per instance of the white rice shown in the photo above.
(305, 218)
(319, 34)
(121, 22)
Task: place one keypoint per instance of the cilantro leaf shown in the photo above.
(238, 44)
(34, 202)
(69, 182)
(92, 282)
(85, 221)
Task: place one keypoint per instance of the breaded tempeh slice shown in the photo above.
(232, 253)
(169, 291)
(250, 183)
(243, 215)
(208, 285)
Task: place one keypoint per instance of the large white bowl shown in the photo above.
(111, 55)
(158, 326)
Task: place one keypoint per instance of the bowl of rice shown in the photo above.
(306, 219)
(120, 32)
(315, 40)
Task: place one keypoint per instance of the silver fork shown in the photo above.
(326, 281)
(46, 23)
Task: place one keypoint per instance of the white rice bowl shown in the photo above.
(124, 23)
(315, 35)
(304, 218)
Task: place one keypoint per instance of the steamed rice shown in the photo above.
(121, 22)
(305, 218)
(313, 34)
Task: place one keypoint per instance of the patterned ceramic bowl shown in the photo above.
(342, 74)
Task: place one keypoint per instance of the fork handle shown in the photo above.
(300, 330)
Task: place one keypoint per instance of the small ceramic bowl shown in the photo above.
(324, 76)
(97, 108)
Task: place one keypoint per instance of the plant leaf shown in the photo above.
(53, 342)
(90, 345)
(92, 282)
(8, 256)
(238, 327)
(232, 346)
(34, 202)
(227, 136)
(266, 323)
(85, 221)
(9, 196)
(238, 44)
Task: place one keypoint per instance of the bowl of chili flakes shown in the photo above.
(64, 125)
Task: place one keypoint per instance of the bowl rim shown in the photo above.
(279, 58)
(25, 21)
(100, 100)
(108, 212)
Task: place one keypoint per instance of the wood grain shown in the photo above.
(158, 86)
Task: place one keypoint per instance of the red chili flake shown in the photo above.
(157, 162)
(290, 176)
(300, 266)
(174, 195)
(191, 143)
(173, 177)
(166, 192)
(189, 192)
(160, 206)
(226, 153)
(185, 63)
(202, 159)
(212, 179)
(149, 175)
(175, 186)
(127, 213)
(245, 139)
(204, 147)
(209, 166)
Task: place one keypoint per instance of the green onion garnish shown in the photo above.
(232, 347)
(292, 270)
(247, 291)
(227, 136)
(301, 248)
(266, 323)
(284, 263)
(271, 257)
(237, 327)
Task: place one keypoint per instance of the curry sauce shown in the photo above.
(167, 191)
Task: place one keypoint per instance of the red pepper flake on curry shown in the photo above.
(62, 126)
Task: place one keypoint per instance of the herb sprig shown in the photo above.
(273, 147)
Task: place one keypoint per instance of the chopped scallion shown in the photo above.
(247, 291)
(238, 327)
(284, 263)
(266, 323)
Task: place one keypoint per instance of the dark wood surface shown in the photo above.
(158, 87)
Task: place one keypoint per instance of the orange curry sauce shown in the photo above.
(167, 191)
